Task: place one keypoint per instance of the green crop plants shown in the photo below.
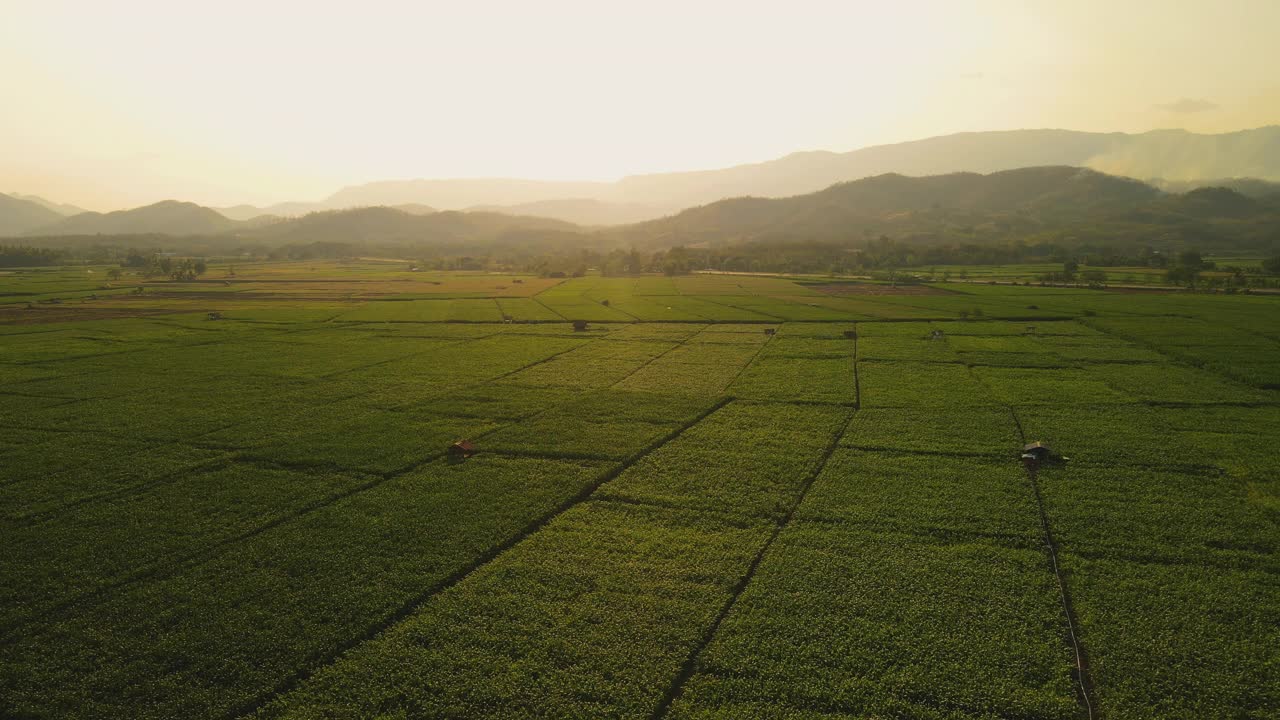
(1178, 641)
(798, 379)
(1161, 517)
(714, 502)
(980, 431)
(285, 596)
(590, 617)
(919, 384)
(123, 535)
(834, 626)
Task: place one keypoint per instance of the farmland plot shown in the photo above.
(833, 624)
(88, 546)
(920, 384)
(606, 601)
(736, 511)
(208, 639)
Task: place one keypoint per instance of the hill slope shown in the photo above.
(17, 215)
(1175, 155)
(392, 225)
(583, 211)
(169, 217)
(896, 204)
(63, 209)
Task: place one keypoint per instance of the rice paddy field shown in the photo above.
(726, 497)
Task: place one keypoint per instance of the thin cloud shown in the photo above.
(1187, 105)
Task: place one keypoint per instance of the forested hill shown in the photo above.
(1066, 206)
(168, 217)
(17, 215)
(1027, 203)
(391, 225)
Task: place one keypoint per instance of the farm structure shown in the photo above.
(461, 450)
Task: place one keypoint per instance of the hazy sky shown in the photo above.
(121, 103)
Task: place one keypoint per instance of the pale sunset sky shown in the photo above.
(123, 103)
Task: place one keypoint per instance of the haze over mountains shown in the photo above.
(18, 216)
(1175, 160)
(1041, 206)
(1175, 155)
(169, 217)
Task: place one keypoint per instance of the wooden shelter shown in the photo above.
(1038, 449)
(461, 450)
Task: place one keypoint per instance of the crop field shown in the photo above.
(724, 497)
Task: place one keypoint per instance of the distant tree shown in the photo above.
(158, 265)
(1271, 265)
(1182, 275)
(114, 274)
(1069, 269)
(1191, 259)
(1095, 278)
(1187, 270)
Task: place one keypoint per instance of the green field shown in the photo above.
(726, 497)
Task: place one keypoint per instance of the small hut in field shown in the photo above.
(461, 450)
(1038, 450)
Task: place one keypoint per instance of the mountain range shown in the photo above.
(18, 215)
(1171, 155)
(64, 209)
(168, 217)
(1066, 204)
(1056, 205)
(1248, 161)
